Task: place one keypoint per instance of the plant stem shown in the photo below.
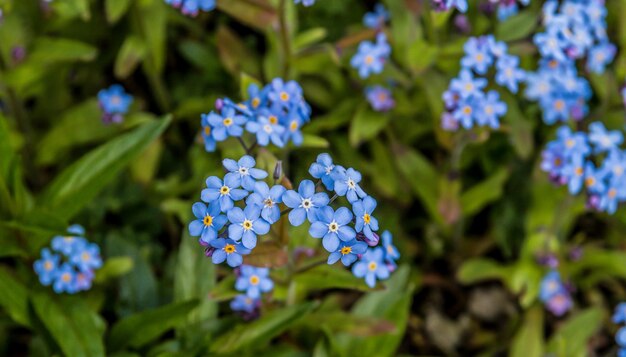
(284, 38)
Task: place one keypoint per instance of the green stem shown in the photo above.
(284, 38)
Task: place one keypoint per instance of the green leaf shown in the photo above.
(330, 277)
(48, 50)
(477, 197)
(132, 52)
(80, 183)
(423, 55)
(114, 267)
(366, 124)
(139, 329)
(517, 27)
(521, 129)
(115, 9)
(224, 290)
(75, 327)
(259, 14)
(309, 37)
(528, 341)
(572, 337)
(261, 331)
(314, 141)
(72, 8)
(476, 270)
(14, 297)
(337, 321)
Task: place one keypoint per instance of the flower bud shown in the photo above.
(372, 242)
(278, 170)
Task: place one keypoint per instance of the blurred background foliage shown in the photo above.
(470, 211)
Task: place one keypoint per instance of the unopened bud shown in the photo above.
(371, 241)
(278, 170)
(219, 104)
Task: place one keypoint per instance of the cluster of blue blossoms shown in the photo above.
(348, 234)
(69, 267)
(574, 29)
(591, 161)
(192, 7)
(273, 114)
(466, 102)
(380, 98)
(555, 294)
(508, 8)
(114, 102)
(252, 282)
(619, 317)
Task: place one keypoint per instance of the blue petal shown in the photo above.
(266, 285)
(330, 242)
(199, 210)
(348, 259)
(235, 231)
(195, 228)
(242, 283)
(238, 194)
(252, 212)
(214, 182)
(261, 227)
(236, 215)
(346, 233)
(249, 240)
(320, 199)
(276, 193)
(258, 173)
(292, 199)
(334, 257)
(230, 165)
(343, 216)
(209, 195)
(208, 235)
(218, 256)
(234, 260)
(297, 216)
(306, 188)
(359, 269)
(226, 203)
(247, 161)
(370, 280)
(318, 230)
(325, 214)
(232, 181)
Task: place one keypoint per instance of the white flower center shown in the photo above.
(306, 203)
(351, 184)
(333, 227)
(267, 128)
(243, 171)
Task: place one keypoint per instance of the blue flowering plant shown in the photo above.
(69, 265)
(114, 103)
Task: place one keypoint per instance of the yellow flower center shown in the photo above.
(557, 162)
(389, 249)
(229, 248)
(66, 277)
(469, 87)
(256, 102)
(570, 143)
(228, 121)
(346, 250)
(294, 125)
(47, 265)
(612, 193)
(372, 266)
(559, 105)
(579, 171)
(225, 190)
(369, 59)
(367, 218)
(208, 220)
(85, 256)
(284, 96)
(590, 181)
(247, 224)
(479, 57)
(467, 110)
(273, 119)
(254, 280)
(115, 100)
(207, 130)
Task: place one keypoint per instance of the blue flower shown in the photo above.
(229, 250)
(391, 252)
(492, 110)
(207, 133)
(575, 171)
(114, 100)
(365, 222)
(229, 123)
(620, 337)
(380, 98)
(254, 281)
(465, 85)
(266, 131)
(550, 285)
(332, 226)
(600, 56)
(209, 221)
(377, 18)
(508, 73)
(371, 58)
(468, 110)
(244, 172)
(67, 244)
(46, 267)
(284, 94)
(347, 184)
(83, 280)
(559, 303)
(371, 266)
(304, 203)
(192, 7)
(293, 132)
(348, 252)
(257, 97)
(244, 303)
(88, 258)
(246, 224)
(604, 140)
(477, 55)
(322, 169)
(268, 199)
(619, 316)
(225, 192)
(305, 2)
(65, 281)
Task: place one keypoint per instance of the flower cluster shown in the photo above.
(508, 8)
(347, 233)
(574, 30)
(273, 114)
(228, 231)
(380, 98)
(69, 267)
(466, 102)
(114, 102)
(192, 7)
(554, 294)
(619, 317)
(371, 57)
(591, 161)
(252, 282)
